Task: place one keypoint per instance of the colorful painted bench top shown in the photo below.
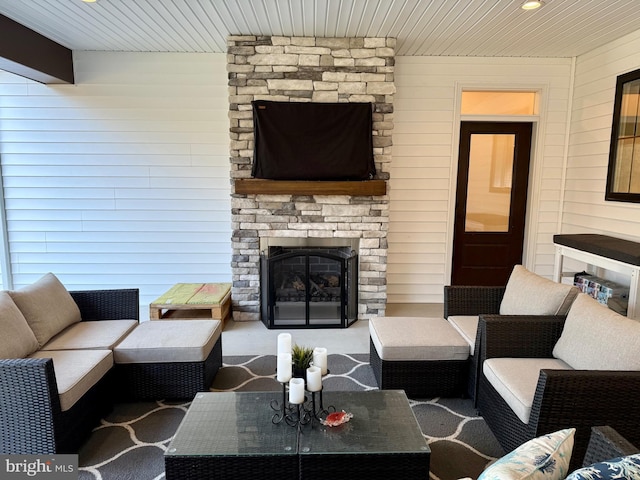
(194, 294)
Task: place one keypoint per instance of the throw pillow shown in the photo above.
(17, 339)
(616, 468)
(529, 294)
(546, 457)
(47, 306)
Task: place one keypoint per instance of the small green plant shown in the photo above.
(301, 357)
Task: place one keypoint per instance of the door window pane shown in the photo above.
(489, 183)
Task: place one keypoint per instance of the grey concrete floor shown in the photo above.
(253, 338)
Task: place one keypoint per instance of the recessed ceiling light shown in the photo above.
(89, 1)
(532, 4)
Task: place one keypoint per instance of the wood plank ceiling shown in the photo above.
(561, 28)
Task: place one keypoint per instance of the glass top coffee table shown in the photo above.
(231, 435)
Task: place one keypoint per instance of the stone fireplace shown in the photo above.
(304, 69)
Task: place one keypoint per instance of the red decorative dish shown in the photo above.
(337, 418)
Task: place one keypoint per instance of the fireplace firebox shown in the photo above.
(309, 285)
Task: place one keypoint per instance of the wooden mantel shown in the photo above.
(245, 186)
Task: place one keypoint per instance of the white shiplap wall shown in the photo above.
(121, 180)
(585, 210)
(424, 166)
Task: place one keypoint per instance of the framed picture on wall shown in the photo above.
(623, 174)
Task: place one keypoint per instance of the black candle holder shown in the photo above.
(300, 414)
(318, 411)
(291, 413)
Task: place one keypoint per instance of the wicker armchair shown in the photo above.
(31, 420)
(563, 398)
(472, 300)
(524, 294)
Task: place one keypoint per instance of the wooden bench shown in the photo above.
(193, 301)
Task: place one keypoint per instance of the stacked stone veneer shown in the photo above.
(303, 69)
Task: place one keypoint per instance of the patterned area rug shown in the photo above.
(130, 443)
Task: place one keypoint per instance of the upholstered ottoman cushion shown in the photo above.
(416, 338)
(425, 357)
(172, 359)
(169, 341)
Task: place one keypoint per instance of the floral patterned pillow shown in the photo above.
(546, 457)
(618, 468)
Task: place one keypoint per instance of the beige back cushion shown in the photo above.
(530, 294)
(47, 306)
(597, 338)
(17, 339)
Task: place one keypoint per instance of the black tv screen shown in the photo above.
(313, 141)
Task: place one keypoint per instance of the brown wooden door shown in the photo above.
(491, 200)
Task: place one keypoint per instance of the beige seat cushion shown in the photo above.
(515, 379)
(100, 335)
(47, 306)
(77, 371)
(416, 338)
(467, 327)
(597, 338)
(16, 338)
(169, 341)
(529, 294)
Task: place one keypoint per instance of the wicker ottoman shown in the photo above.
(425, 357)
(173, 359)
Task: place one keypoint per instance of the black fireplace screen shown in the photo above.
(304, 287)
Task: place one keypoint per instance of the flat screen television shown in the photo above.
(313, 141)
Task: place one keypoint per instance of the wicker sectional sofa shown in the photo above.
(52, 410)
(67, 357)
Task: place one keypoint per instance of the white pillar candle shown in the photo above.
(284, 367)
(296, 391)
(320, 359)
(284, 343)
(314, 379)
